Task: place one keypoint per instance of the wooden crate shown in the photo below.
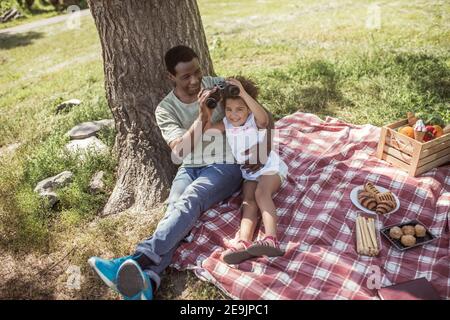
(409, 154)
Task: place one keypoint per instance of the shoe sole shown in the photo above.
(130, 281)
(236, 257)
(264, 251)
(108, 282)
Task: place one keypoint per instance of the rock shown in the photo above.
(89, 129)
(67, 105)
(46, 187)
(82, 146)
(96, 185)
(106, 123)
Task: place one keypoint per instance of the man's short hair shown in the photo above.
(176, 55)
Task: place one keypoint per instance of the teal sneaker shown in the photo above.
(133, 283)
(107, 269)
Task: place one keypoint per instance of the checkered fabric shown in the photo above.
(316, 222)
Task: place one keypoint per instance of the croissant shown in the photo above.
(385, 196)
(369, 187)
(384, 207)
(368, 202)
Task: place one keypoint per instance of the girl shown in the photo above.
(245, 125)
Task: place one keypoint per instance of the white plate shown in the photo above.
(354, 198)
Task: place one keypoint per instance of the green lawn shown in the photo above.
(313, 56)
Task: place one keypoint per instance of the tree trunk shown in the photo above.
(135, 35)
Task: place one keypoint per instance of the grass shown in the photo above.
(312, 56)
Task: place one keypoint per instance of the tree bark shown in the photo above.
(135, 35)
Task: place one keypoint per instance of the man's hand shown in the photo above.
(204, 113)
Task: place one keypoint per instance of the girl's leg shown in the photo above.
(267, 186)
(249, 211)
(238, 252)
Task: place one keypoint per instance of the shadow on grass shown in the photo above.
(11, 40)
(429, 74)
(24, 287)
(306, 86)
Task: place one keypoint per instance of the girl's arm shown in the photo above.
(261, 116)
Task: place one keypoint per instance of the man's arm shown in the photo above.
(185, 144)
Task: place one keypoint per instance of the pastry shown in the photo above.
(385, 196)
(367, 201)
(395, 233)
(384, 207)
(364, 194)
(408, 240)
(420, 230)
(369, 187)
(408, 230)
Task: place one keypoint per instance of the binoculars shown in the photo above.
(223, 90)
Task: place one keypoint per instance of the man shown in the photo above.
(203, 179)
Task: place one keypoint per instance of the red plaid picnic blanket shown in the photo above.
(316, 222)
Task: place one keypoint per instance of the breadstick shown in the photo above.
(373, 234)
(359, 245)
(369, 238)
(364, 236)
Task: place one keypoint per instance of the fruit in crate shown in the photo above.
(407, 131)
(439, 131)
(430, 133)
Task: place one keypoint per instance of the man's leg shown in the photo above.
(107, 268)
(214, 183)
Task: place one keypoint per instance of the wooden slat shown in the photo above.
(397, 162)
(434, 149)
(433, 164)
(443, 153)
(437, 141)
(381, 143)
(405, 149)
(397, 124)
(398, 154)
(415, 160)
(401, 142)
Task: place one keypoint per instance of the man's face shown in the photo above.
(188, 77)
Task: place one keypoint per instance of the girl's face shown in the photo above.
(236, 111)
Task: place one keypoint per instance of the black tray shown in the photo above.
(419, 241)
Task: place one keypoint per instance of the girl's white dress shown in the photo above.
(244, 137)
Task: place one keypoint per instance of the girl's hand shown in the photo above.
(238, 84)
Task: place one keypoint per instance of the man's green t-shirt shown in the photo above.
(174, 118)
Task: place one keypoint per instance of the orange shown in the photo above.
(407, 131)
(439, 131)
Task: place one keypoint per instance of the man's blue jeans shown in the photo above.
(194, 190)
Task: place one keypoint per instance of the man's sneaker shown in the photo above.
(133, 283)
(107, 269)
